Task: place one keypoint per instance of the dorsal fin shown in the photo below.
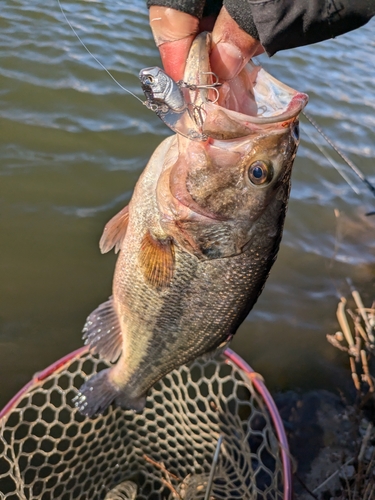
(114, 231)
(157, 261)
(102, 332)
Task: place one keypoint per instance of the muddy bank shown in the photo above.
(332, 445)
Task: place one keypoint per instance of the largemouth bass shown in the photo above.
(199, 236)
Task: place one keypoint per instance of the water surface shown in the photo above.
(73, 144)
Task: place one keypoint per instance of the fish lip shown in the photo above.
(226, 124)
(293, 109)
(283, 101)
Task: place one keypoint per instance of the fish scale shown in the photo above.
(197, 241)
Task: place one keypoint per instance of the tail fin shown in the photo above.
(97, 393)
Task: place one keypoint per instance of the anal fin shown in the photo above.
(114, 231)
(98, 392)
(102, 332)
(95, 395)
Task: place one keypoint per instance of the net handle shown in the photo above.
(260, 386)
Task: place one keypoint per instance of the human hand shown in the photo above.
(174, 32)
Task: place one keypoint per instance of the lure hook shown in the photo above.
(193, 86)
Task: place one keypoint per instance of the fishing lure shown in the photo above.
(171, 101)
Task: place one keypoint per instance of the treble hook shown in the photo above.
(216, 83)
(197, 115)
(208, 86)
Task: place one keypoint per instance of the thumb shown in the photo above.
(232, 47)
(174, 32)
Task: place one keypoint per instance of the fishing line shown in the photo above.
(334, 164)
(347, 160)
(92, 55)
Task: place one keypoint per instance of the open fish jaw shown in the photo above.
(254, 99)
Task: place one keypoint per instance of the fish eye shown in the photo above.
(149, 80)
(260, 172)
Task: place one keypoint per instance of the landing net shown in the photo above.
(50, 451)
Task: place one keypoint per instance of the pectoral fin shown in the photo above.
(114, 231)
(102, 332)
(157, 261)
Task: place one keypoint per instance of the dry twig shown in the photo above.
(161, 466)
(361, 350)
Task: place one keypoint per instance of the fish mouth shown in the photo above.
(252, 101)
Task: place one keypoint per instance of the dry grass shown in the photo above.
(356, 338)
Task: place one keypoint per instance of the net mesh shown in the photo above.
(49, 451)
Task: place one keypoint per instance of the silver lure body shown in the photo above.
(161, 89)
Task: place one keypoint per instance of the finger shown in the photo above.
(174, 32)
(232, 47)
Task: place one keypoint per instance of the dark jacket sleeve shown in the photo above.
(285, 24)
(193, 7)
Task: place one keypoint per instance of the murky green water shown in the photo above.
(73, 144)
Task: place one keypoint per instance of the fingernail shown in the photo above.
(226, 60)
